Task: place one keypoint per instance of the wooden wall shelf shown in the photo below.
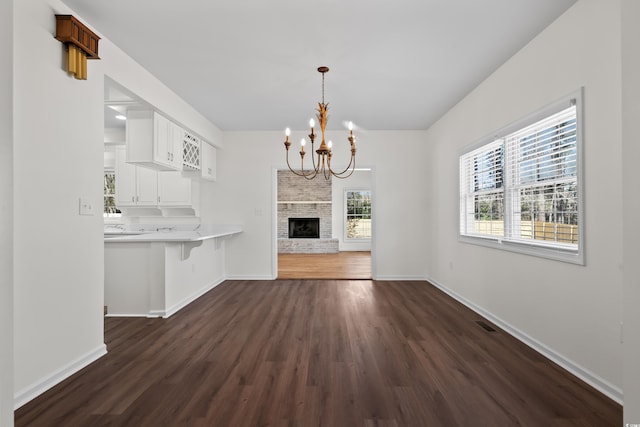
(70, 30)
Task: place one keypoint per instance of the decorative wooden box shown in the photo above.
(70, 30)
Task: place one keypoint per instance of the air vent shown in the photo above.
(485, 326)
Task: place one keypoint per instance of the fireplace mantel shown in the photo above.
(298, 202)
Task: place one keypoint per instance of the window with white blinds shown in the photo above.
(521, 190)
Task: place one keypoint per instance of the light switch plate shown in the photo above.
(86, 208)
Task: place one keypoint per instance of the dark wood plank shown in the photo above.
(318, 353)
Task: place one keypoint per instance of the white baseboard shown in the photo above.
(585, 375)
(398, 278)
(250, 278)
(36, 389)
(186, 301)
(124, 315)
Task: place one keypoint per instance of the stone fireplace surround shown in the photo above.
(302, 198)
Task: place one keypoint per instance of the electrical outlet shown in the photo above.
(86, 208)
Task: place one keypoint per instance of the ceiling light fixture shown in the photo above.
(121, 117)
(323, 164)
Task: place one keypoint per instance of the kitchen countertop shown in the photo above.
(145, 233)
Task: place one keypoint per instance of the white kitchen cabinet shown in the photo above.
(174, 189)
(207, 160)
(190, 152)
(208, 157)
(135, 186)
(144, 191)
(153, 141)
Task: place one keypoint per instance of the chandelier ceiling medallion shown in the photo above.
(321, 166)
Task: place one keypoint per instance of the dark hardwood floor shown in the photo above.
(318, 353)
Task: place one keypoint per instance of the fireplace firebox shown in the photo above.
(304, 228)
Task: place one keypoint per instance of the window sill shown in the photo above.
(538, 250)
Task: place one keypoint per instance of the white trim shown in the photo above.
(189, 299)
(274, 225)
(379, 278)
(309, 202)
(36, 389)
(533, 249)
(155, 314)
(152, 314)
(584, 374)
(261, 278)
(126, 315)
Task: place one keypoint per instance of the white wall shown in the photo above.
(125, 71)
(631, 206)
(6, 214)
(359, 180)
(572, 311)
(244, 194)
(58, 258)
(58, 158)
(201, 269)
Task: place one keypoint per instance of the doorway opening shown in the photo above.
(338, 249)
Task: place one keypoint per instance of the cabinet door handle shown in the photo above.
(137, 198)
(133, 199)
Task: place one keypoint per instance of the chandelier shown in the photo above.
(321, 166)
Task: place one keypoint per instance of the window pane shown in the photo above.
(549, 213)
(547, 153)
(358, 215)
(109, 183)
(488, 169)
(489, 214)
(110, 205)
(543, 159)
(109, 195)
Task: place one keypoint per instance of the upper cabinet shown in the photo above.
(206, 164)
(153, 141)
(135, 186)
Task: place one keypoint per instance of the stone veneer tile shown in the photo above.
(306, 194)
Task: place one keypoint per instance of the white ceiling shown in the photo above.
(251, 65)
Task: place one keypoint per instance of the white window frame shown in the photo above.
(345, 221)
(572, 253)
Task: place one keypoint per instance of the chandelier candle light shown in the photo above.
(323, 164)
